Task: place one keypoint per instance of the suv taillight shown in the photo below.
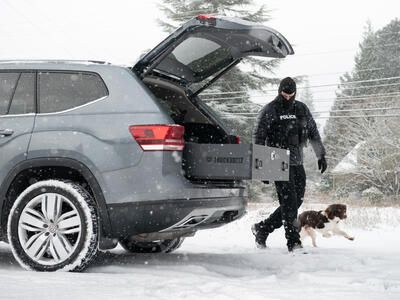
(159, 137)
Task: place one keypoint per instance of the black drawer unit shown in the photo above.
(235, 162)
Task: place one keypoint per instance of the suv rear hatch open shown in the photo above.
(186, 63)
(206, 46)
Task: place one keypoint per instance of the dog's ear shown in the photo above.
(343, 211)
(328, 212)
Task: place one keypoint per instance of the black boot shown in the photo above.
(296, 248)
(260, 235)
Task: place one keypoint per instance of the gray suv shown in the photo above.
(93, 154)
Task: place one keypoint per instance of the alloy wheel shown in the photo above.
(49, 228)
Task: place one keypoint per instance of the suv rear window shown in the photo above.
(60, 91)
(207, 54)
(196, 58)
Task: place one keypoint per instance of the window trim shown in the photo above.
(20, 115)
(67, 72)
(36, 93)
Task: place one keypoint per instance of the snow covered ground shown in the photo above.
(224, 264)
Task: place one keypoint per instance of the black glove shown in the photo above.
(322, 164)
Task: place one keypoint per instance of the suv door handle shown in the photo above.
(6, 132)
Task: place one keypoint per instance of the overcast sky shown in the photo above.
(324, 34)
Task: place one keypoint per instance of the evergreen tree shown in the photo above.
(176, 12)
(372, 86)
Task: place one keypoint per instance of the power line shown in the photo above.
(347, 50)
(314, 92)
(367, 103)
(360, 116)
(359, 97)
(336, 73)
(318, 113)
(361, 70)
(314, 100)
(321, 112)
(326, 117)
(320, 74)
(360, 109)
(339, 99)
(258, 105)
(372, 86)
(324, 74)
(368, 95)
(319, 86)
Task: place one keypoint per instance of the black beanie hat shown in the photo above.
(287, 85)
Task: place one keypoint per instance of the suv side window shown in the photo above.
(60, 91)
(8, 83)
(23, 101)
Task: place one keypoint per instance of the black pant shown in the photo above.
(290, 195)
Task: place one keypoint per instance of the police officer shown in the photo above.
(288, 124)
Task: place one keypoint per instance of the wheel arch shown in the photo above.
(43, 168)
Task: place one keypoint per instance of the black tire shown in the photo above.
(162, 246)
(67, 243)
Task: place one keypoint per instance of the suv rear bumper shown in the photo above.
(174, 216)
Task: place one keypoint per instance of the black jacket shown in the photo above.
(288, 125)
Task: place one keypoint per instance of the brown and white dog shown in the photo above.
(325, 222)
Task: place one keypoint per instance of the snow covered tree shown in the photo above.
(365, 97)
(254, 73)
(379, 159)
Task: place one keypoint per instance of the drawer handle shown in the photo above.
(273, 155)
(258, 163)
(6, 132)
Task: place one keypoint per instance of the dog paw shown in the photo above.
(351, 238)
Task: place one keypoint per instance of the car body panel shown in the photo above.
(14, 147)
(96, 136)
